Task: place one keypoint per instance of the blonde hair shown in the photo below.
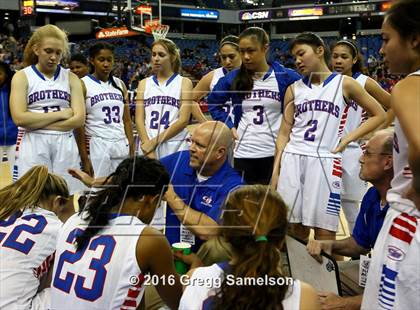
(173, 50)
(34, 186)
(47, 31)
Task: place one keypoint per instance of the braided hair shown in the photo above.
(134, 177)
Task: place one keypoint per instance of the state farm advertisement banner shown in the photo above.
(115, 33)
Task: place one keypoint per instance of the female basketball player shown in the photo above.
(46, 101)
(28, 235)
(108, 137)
(310, 140)
(8, 129)
(164, 103)
(256, 90)
(393, 280)
(347, 60)
(105, 253)
(79, 65)
(255, 237)
(230, 59)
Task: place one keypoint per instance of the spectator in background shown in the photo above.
(372, 62)
(79, 65)
(8, 129)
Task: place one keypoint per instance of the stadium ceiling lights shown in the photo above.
(253, 2)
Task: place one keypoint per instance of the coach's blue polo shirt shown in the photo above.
(370, 219)
(206, 197)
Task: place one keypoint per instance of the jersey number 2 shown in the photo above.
(310, 132)
(103, 243)
(12, 239)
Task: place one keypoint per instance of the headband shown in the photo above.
(228, 42)
(351, 44)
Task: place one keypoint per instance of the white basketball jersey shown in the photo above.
(318, 119)
(162, 104)
(403, 175)
(261, 117)
(103, 275)
(196, 295)
(356, 115)
(47, 95)
(394, 272)
(27, 245)
(104, 109)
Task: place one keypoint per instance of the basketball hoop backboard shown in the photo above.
(142, 13)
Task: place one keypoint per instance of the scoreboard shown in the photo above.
(27, 8)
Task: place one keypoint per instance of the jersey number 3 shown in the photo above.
(260, 114)
(105, 244)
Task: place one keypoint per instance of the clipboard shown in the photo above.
(323, 277)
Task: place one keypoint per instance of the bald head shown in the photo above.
(217, 133)
(376, 165)
(385, 139)
(210, 146)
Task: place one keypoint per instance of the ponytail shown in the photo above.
(257, 259)
(256, 224)
(113, 83)
(134, 177)
(243, 82)
(98, 210)
(33, 187)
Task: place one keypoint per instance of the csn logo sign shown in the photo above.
(246, 16)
